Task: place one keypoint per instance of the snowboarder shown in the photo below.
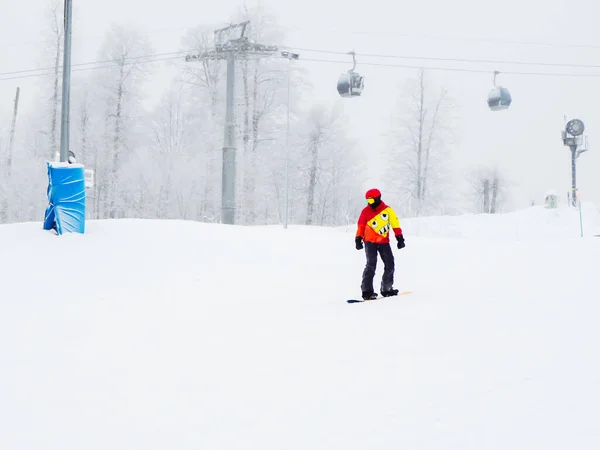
(374, 225)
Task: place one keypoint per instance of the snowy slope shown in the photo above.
(177, 335)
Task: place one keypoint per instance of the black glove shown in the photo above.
(358, 242)
(401, 243)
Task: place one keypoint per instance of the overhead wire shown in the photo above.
(93, 65)
(78, 67)
(166, 56)
(82, 69)
(455, 69)
(116, 60)
(461, 60)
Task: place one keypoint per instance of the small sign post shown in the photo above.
(89, 178)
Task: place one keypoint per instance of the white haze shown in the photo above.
(523, 142)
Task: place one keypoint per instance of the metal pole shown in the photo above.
(573, 175)
(580, 214)
(12, 131)
(66, 87)
(229, 149)
(287, 150)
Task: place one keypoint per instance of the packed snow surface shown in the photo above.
(173, 335)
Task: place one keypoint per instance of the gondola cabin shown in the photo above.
(350, 84)
(499, 98)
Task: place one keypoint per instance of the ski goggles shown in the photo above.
(370, 201)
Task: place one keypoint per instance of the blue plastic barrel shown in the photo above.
(66, 194)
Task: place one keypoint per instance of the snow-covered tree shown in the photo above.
(166, 162)
(181, 149)
(418, 153)
(119, 91)
(262, 96)
(204, 88)
(328, 166)
(489, 190)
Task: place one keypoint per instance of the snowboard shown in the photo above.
(354, 300)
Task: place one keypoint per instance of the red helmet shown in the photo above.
(373, 193)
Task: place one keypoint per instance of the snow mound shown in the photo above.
(536, 222)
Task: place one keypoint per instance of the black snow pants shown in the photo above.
(371, 251)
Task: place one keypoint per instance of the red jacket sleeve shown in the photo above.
(362, 223)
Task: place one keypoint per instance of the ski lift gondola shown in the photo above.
(499, 98)
(351, 83)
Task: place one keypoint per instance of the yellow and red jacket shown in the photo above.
(374, 225)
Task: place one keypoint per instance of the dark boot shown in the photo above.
(389, 293)
(369, 295)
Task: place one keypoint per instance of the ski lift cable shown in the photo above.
(126, 59)
(173, 56)
(81, 69)
(425, 58)
(462, 60)
(456, 69)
